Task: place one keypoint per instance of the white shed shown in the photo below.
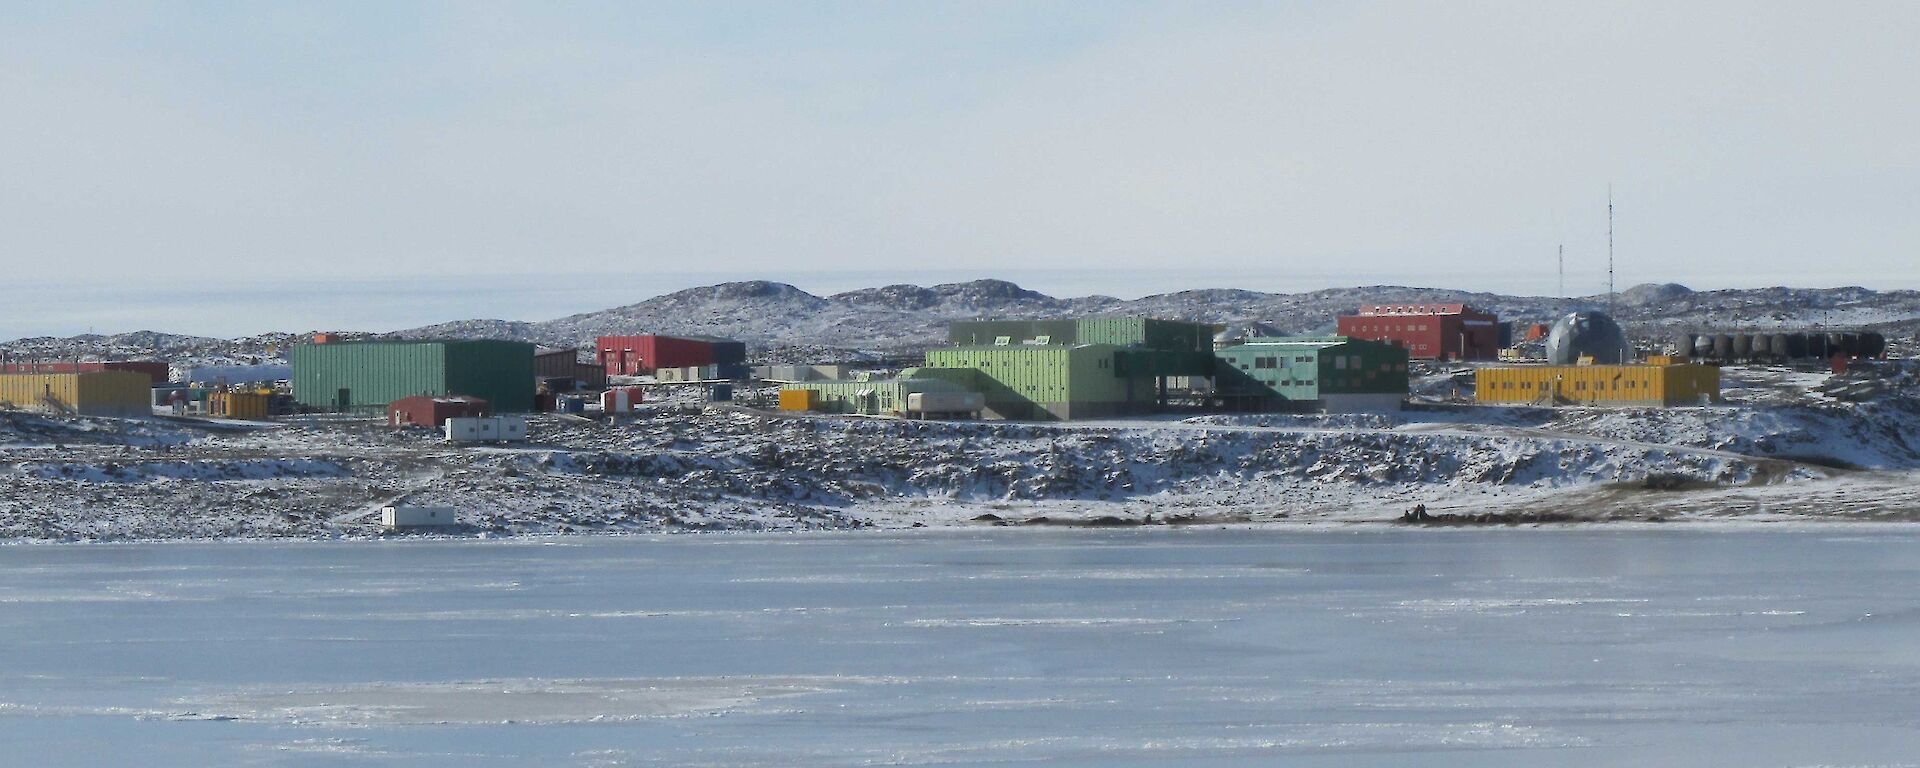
(395, 518)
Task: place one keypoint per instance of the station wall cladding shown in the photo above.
(1782, 345)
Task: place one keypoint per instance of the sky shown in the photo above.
(218, 149)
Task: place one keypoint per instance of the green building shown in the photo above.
(1089, 367)
(1336, 374)
(1049, 382)
(349, 376)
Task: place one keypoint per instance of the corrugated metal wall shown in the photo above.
(499, 372)
(102, 393)
(374, 373)
(1668, 385)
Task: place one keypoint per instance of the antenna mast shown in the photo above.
(1563, 270)
(1609, 250)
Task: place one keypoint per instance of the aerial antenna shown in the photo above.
(1563, 270)
(1609, 249)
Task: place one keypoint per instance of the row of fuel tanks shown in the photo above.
(1817, 345)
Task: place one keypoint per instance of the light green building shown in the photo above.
(1049, 382)
(1336, 374)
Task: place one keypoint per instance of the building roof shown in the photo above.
(377, 342)
(1019, 345)
(1302, 342)
(1401, 310)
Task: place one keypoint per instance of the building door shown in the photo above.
(343, 400)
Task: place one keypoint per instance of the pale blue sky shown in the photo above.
(1443, 142)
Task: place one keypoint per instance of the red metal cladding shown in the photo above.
(428, 411)
(157, 371)
(1428, 331)
(640, 355)
(549, 363)
(620, 399)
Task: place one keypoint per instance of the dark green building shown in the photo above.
(361, 376)
(1336, 374)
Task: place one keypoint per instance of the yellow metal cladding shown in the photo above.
(238, 405)
(1664, 385)
(105, 393)
(798, 399)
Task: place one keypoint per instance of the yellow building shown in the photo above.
(1658, 385)
(238, 404)
(102, 393)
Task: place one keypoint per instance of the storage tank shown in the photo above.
(1723, 346)
(1817, 345)
(1683, 345)
(1796, 346)
(1763, 345)
(1703, 345)
(1850, 344)
(1779, 346)
(1587, 334)
(1742, 346)
(1873, 344)
(1837, 345)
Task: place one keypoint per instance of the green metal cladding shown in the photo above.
(1306, 368)
(1141, 332)
(1032, 381)
(367, 375)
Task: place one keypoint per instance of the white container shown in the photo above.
(486, 429)
(394, 518)
(464, 430)
(946, 402)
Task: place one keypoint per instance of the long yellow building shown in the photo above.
(1656, 385)
(103, 393)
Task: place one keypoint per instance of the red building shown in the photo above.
(1428, 331)
(155, 370)
(640, 355)
(428, 411)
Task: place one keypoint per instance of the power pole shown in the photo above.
(1609, 249)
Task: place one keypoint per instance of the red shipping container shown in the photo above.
(641, 355)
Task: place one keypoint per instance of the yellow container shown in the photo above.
(237, 405)
(1656, 385)
(798, 399)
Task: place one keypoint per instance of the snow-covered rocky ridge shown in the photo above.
(685, 468)
(782, 323)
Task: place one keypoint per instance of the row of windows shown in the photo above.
(1376, 328)
(1578, 386)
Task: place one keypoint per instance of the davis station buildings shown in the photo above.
(116, 393)
(644, 355)
(1102, 367)
(367, 376)
(1428, 331)
(1334, 374)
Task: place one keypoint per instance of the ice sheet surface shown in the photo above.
(1214, 647)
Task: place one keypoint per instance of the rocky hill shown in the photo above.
(898, 319)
